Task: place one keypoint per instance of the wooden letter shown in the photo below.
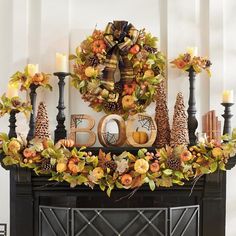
(140, 138)
(109, 139)
(75, 121)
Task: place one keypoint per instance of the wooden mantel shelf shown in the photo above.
(29, 191)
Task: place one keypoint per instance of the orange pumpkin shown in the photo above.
(61, 167)
(73, 165)
(38, 78)
(67, 142)
(186, 155)
(126, 179)
(154, 167)
(140, 137)
(29, 153)
(98, 46)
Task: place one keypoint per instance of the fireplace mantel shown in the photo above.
(29, 191)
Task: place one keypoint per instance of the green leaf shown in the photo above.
(152, 185)
(168, 172)
(234, 134)
(102, 186)
(130, 56)
(53, 161)
(205, 170)
(5, 148)
(119, 185)
(141, 152)
(176, 181)
(109, 190)
(81, 165)
(213, 167)
(81, 179)
(8, 161)
(72, 57)
(81, 84)
(222, 166)
(179, 174)
(4, 137)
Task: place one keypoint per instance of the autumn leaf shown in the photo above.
(137, 182)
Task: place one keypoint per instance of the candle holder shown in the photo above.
(12, 126)
(33, 96)
(60, 132)
(227, 116)
(192, 120)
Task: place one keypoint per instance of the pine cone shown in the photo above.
(15, 103)
(46, 165)
(93, 61)
(149, 49)
(110, 106)
(118, 87)
(111, 165)
(187, 57)
(208, 63)
(173, 163)
(156, 70)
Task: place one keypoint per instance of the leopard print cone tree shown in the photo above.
(42, 122)
(162, 117)
(179, 131)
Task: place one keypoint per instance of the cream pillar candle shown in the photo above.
(61, 62)
(12, 91)
(228, 96)
(193, 51)
(32, 69)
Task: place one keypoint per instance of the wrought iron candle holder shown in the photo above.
(227, 116)
(192, 120)
(33, 96)
(12, 126)
(60, 131)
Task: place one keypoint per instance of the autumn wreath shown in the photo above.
(117, 70)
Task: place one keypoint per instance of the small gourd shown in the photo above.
(67, 142)
(140, 137)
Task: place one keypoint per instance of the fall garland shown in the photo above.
(122, 47)
(26, 79)
(165, 167)
(187, 60)
(13, 104)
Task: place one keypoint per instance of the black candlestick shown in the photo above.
(33, 96)
(192, 121)
(227, 116)
(12, 126)
(60, 132)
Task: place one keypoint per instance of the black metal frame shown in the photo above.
(158, 221)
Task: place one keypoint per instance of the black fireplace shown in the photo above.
(37, 206)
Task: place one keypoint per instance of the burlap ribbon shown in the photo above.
(119, 37)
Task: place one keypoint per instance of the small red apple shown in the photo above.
(135, 49)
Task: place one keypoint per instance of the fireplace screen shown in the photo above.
(179, 221)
